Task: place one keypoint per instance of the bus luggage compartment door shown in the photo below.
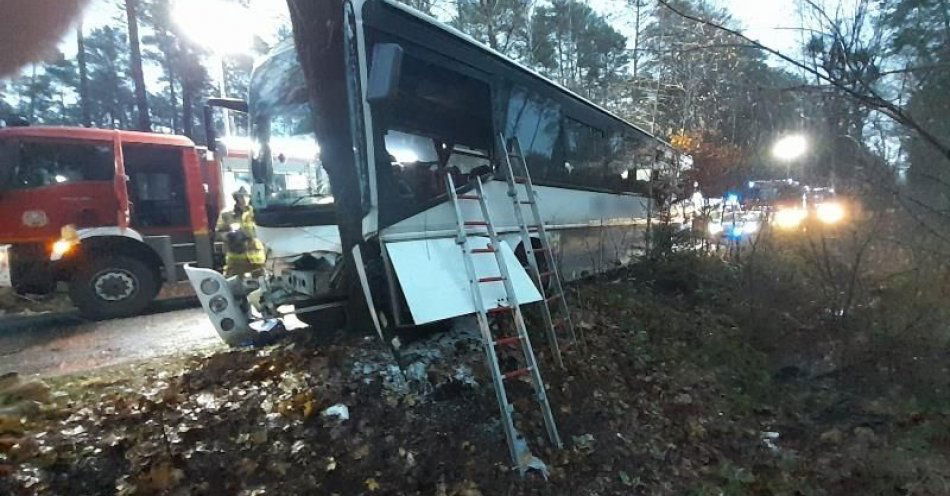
(431, 273)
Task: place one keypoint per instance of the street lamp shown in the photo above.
(222, 27)
(789, 148)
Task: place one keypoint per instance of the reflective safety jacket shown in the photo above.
(243, 251)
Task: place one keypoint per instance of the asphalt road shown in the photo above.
(63, 343)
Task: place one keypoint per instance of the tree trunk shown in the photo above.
(187, 118)
(173, 98)
(318, 34)
(33, 94)
(135, 60)
(83, 77)
(170, 73)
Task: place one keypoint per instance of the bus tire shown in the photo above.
(113, 286)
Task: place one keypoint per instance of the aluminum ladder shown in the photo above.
(553, 292)
(517, 446)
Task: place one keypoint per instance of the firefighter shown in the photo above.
(244, 253)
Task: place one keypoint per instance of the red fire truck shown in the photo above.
(113, 214)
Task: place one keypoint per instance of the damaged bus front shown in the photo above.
(294, 212)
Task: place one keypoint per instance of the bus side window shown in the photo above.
(536, 122)
(45, 163)
(439, 118)
(584, 155)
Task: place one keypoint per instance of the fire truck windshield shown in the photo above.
(286, 156)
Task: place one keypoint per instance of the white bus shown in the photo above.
(409, 99)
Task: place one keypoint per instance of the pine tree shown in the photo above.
(135, 60)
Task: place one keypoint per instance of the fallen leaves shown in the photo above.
(371, 484)
(158, 478)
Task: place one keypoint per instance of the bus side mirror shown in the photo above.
(384, 75)
(234, 104)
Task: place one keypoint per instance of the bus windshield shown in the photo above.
(286, 156)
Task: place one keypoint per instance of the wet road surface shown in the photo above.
(63, 343)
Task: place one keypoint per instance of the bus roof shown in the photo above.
(94, 134)
(504, 58)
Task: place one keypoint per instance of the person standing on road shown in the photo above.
(244, 253)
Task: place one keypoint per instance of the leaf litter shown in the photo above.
(334, 415)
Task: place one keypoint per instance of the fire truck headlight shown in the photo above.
(60, 248)
(789, 218)
(218, 304)
(210, 286)
(830, 213)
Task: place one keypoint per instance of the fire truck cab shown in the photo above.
(113, 214)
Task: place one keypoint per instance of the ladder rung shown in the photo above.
(475, 223)
(526, 202)
(501, 309)
(491, 279)
(546, 273)
(520, 179)
(507, 341)
(541, 248)
(533, 227)
(487, 249)
(553, 297)
(469, 197)
(514, 374)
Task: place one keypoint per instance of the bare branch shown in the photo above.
(871, 100)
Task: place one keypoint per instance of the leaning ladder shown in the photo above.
(553, 291)
(517, 447)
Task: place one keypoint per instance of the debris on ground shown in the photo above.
(662, 396)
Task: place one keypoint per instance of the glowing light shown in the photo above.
(403, 155)
(789, 218)
(830, 213)
(220, 26)
(61, 248)
(715, 229)
(625, 174)
(751, 184)
(60, 178)
(299, 147)
(732, 199)
(790, 147)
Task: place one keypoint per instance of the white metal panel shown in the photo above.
(432, 275)
(559, 206)
(293, 241)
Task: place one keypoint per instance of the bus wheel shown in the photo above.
(114, 286)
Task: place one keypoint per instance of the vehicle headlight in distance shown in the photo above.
(830, 213)
(789, 218)
(750, 226)
(714, 228)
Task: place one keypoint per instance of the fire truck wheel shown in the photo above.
(114, 286)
